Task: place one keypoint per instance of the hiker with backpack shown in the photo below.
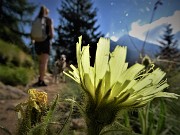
(41, 34)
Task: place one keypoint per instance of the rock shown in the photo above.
(78, 123)
(10, 92)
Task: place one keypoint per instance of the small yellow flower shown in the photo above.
(37, 98)
(111, 81)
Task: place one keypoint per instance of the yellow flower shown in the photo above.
(111, 81)
(37, 99)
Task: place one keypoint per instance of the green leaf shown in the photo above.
(162, 114)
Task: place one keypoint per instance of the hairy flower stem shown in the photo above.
(96, 120)
(93, 128)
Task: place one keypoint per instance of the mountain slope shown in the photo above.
(134, 47)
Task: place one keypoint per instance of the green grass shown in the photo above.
(15, 75)
(16, 67)
(173, 106)
(11, 55)
(72, 89)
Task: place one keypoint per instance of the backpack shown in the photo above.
(38, 30)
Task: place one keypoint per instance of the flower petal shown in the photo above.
(116, 63)
(131, 73)
(85, 61)
(101, 61)
(88, 86)
(78, 50)
(167, 94)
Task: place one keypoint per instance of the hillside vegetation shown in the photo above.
(16, 67)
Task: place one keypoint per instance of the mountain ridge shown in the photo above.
(134, 47)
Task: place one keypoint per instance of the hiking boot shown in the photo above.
(36, 84)
(42, 83)
(39, 83)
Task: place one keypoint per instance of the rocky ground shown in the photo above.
(11, 96)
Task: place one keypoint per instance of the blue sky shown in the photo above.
(119, 17)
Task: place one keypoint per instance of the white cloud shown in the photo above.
(156, 27)
(107, 34)
(114, 38)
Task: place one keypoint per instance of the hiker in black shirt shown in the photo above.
(42, 48)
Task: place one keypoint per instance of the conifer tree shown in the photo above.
(77, 17)
(169, 47)
(14, 16)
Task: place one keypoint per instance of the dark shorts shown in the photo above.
(43, 47)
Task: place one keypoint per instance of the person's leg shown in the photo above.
(43, 61)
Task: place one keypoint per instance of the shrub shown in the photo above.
(16, 75)
(13, 56)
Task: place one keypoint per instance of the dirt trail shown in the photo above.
(11, 96)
